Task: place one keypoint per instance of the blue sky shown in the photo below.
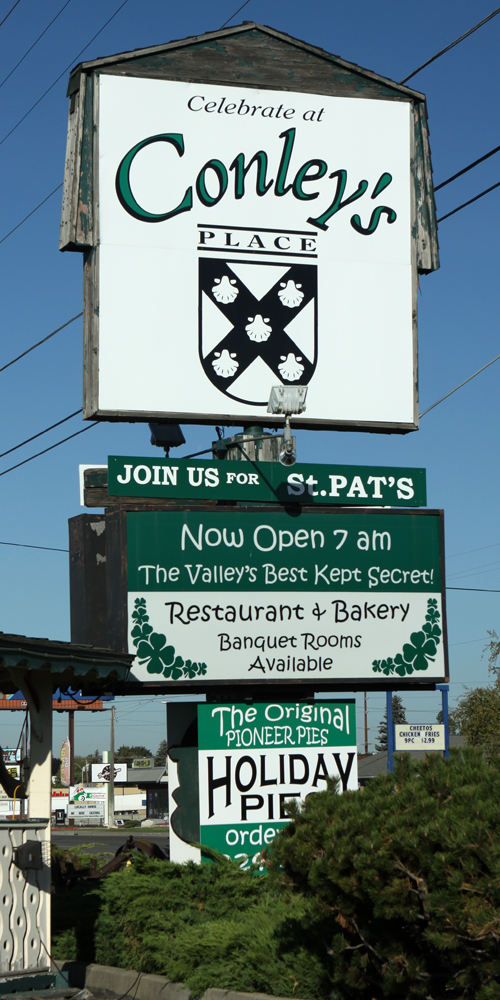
(458, 307)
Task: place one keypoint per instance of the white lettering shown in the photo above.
(262, 548)
(125, 479)
(337, 483)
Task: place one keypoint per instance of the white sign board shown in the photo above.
(101, 772)
(86, 809)
(428, 737)
(249, 239)
(81, 793)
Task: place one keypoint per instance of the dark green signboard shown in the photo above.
(266, 594)
(356, 485)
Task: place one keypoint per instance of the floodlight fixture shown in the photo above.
(288, 400)
(166, 435)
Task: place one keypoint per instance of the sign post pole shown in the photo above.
(390, 733)
(111, 792)
(444, 688)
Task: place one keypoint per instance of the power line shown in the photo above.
(47, 429)
(46, 548)
(234, 15)
(459, 386)
(23, 355)
(480, 590)
(467, 576)
(26, 217)
(452, 44)
(467, 552)
(44, 32)
(472, 569)
(469, 167)
(70, 65)
(45, 450)
(9, 12)
(471, 200)
(466, 642)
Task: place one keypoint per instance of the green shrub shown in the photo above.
(208, 925)
(403, 880)
(74, 910)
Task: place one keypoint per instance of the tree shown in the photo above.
(401, 880)
(493, 647)
(126, 754)
(161, 754)
(477, 717)
(452, 722)
(398, 717)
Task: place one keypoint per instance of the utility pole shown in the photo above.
(71, 741)
(111, 790)
(71, 737)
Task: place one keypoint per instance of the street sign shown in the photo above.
(102, 772)
(253, 596)
(87, 803)
(82, 793)
(252, 759)
(255, 236)
(420, 737)
(310, 484)
(86, 809)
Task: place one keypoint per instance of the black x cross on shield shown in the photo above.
(257, 327)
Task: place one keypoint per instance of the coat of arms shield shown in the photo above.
(257, 326)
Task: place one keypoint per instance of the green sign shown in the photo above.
(251, 595)
(252, 759)
(356, 485)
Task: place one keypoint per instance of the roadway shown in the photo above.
(105, 841)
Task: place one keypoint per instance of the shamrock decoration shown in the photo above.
(155, 650)
(419, 651)
(152, 648)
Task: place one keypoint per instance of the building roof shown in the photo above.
(70, 664)
(376, 763)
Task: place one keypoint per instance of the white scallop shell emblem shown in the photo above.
(225, 364)
(290, 294)
(290, 369)
(224, 290)
(258, 329)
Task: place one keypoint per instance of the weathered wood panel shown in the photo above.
(85, 208)
(426, 237)
(87, 579)
(116, 574)
(72, 170)
(90, 332)
(256, 59)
